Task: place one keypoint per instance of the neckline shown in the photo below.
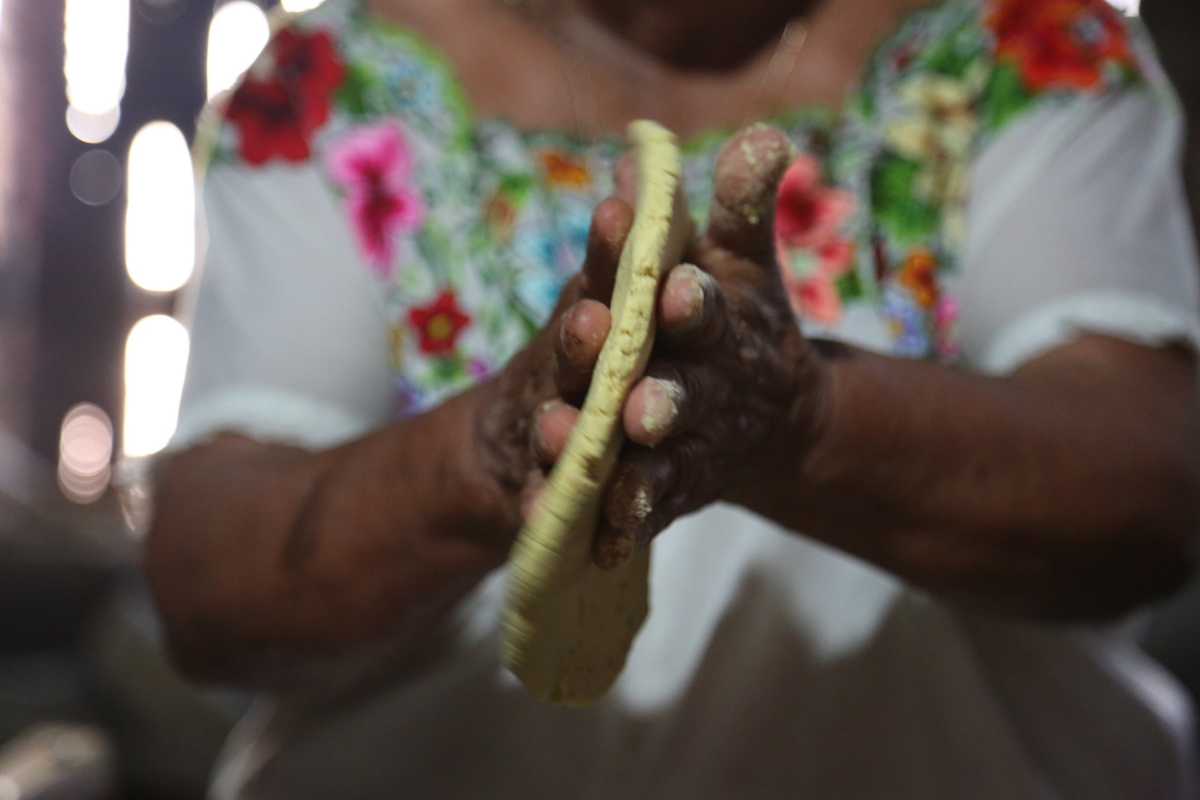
(817, 116)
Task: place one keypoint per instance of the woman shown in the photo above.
(937, 413)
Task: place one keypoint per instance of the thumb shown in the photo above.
(749, 168)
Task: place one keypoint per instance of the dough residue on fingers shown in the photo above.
(568, 624)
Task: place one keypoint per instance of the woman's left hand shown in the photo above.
(731, 380)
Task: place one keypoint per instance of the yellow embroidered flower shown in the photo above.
(396, 345)
(936, 133)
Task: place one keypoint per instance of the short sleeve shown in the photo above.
(1077, 222)
(289, 338)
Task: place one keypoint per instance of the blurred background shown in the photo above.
(98, 102)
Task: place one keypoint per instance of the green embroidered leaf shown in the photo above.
(946, 58)
(893, 199)
(516, 186)
(448, 368)
(1005, 96)
(849, 286)
(864, 104)
(352, 94)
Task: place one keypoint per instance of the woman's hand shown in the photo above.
(730, 367)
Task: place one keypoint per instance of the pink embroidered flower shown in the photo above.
(811, 251)
(945, 327)
(372, 164)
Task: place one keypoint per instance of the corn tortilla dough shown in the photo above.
(568, 625)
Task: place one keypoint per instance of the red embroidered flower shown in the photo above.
(811, 251)
(277, 112)
(1059, 43)
(439, 323)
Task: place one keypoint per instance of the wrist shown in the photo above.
(480, 473)
(778, 465)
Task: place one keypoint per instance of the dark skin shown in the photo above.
(1065, 491)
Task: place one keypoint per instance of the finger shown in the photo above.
(611, 222)
(551, 429)
(691, 307)
(652, 410)
(673, 397)
(531, 493)
(613, 548)
(581, 334)
(639, 482)
(745, 182)
(625, 178)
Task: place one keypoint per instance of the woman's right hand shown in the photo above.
(529, 400)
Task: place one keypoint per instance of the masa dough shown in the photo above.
(568, 625)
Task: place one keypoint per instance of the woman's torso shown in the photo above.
(769, 663)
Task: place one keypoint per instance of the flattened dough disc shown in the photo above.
(569, 625)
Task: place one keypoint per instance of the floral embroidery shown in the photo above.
(439, 324)
(396, 346)
(945, 327)
(812, 252)
(278, 112)
(372, 165)
(1059, 43)
(474, 226)
(564, 171)
(918, 274)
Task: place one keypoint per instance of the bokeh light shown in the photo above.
(296, 6)
(155, 360)
(93, 128)
(160, 238)
(85, 453)
(96, 39)
(96, 177)
(238, 33)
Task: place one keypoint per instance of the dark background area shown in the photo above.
(77, 639)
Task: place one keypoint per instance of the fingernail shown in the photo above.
(618, 550)
(697, 278)
(694, 281)
(535, 429)
(570, 339)
(662, 399)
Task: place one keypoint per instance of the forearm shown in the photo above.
(1060, 491)
(262, 557)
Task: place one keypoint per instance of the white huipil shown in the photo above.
(770, 665)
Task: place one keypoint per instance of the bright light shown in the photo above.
(160, 237)
(296, 6)
(97, 41)
(1130, 7)
(92, 128)
(155, 359)
(85, 448)
(237, 34)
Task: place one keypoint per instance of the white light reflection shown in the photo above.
(160, 237)
(237, 34)
(85, 449)
(96, 37)
(92, 128)
(155, 360)
(1130, 7)
(296, 6)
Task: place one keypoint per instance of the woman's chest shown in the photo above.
(503, 226)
